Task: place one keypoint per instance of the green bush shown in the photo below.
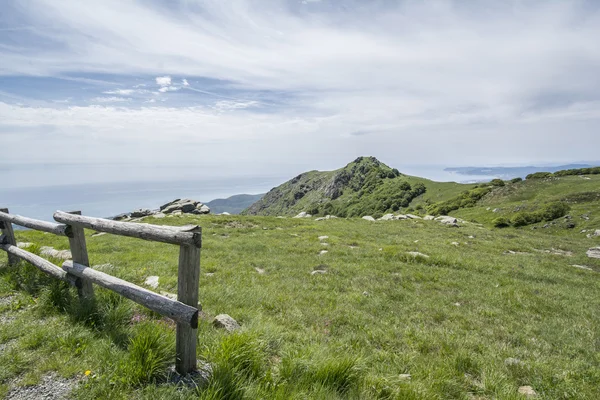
(580, 171)
(497, 182)
(539, 175)
(516, 180)
(501, 222)
(549, 212)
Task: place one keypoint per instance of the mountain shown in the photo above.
(234, 204)
(365, 186)
(511, 172)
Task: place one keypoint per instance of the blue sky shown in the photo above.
(256, 87)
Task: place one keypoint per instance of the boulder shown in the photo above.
(595, 234)
(159, 215)
(224, 321)
(411, 216)
(51, 252)
(187, 206)
(594, 252)
(429, 218)
(303, 215)
(323, 237)
(417, 254)
(151, 281)
(447, 220)
(400, 217)
(141, 212)
(527, 391)
(386, 217)
(224, 213)
(368, 218)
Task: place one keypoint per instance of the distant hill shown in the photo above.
(511, 172)
(365, 186)
(234, 204)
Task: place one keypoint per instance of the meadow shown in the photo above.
(478, 313)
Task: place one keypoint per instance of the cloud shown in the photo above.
(163, 80)
(429, 82)
(165, 89)
(111, 99)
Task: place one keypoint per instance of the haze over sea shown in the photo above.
(105, 190)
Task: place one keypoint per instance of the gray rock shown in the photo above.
(387, 217)
(368, 218)
(527, 391)
(51, 252)
(303, 214)
(323, 252)
(159, 215)
(151, 281)
(595, 234)
(224, 321)
(411, 216)
(323, 237)
(594, 252)
(141, 212)
(582, 267)
(318, 272)
(417, 254)
(224, 213)
(429, 218)
(204, 209)
(400, 217)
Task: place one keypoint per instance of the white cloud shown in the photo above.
(495, 81)
(111, 99)
(165, 89)
(163, 80)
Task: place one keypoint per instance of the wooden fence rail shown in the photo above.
(184, 311)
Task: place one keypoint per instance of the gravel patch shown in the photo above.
(52, 387)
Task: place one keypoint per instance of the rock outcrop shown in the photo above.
(175, 207)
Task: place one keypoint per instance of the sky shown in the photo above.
(125, 89)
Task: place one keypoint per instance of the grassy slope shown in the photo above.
(450, 321)
(530, 194)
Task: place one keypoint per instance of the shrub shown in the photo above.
(516, 180)
(497, 182)
(501, 222)
(549, 212)
(539, 175)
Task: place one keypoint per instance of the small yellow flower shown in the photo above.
(88, 372)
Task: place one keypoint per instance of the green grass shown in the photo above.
(450, 321)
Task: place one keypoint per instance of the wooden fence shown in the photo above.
(78, 273)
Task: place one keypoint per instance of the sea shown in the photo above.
(25, 195)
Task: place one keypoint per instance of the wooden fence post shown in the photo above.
(80, 256)
(9, 234)
(188, 277)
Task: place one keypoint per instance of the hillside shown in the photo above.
(476, 313)
(365, 186)
(234, 204)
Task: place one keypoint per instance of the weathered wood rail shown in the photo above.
(184, 311)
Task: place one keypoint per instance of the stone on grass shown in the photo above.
(387, 217)
(368, 218)
(323, 237)
(151, 281)
(259, 270)
(400, 217)
(429, 218)
(141, 212)
(51, 252)
(224, 321)
(323, 252)
(527, 391)
(595, 234)
(412, 216)
(582, 267)
(594, 252)
(417, 254)
(455, 243)
(404, 377)
(318, 271)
